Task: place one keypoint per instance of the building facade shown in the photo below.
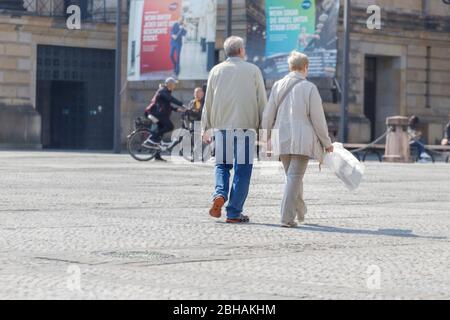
(56, 84)
(401, 69)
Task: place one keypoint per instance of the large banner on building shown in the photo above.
(171, 38)
(276, 27)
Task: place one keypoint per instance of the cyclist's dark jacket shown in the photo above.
(161, 104)
(447, 131)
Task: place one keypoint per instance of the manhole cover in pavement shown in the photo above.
(141, 255)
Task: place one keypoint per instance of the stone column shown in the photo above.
(397, 140)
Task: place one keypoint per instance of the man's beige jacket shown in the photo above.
(235, 97)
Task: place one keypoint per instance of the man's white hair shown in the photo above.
(298, 61)
(233, 45)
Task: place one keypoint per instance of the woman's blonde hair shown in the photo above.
(298, 61)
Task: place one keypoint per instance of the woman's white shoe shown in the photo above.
(289, 225)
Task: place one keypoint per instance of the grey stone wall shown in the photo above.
(20, 126)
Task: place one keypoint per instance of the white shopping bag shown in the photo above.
(345, 165)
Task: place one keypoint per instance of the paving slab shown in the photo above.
(103, 226)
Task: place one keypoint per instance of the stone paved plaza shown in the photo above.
(102, 226)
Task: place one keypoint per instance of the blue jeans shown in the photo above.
(175, 53)
(234, 148)
(419, 145)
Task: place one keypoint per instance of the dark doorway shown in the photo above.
(370, 93)
(382, 87)
(75, 97)
(68, 115)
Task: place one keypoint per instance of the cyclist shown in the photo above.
(161, 108)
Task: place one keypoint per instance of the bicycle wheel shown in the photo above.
(135, 148)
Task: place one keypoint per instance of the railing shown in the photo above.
(91, 10)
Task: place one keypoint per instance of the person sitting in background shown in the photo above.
(446, 140)
(190, 117)
(416, 140)
(196, 104)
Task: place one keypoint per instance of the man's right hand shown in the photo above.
(330, 149)
(444, 142)
(269, 148)
(206, 138)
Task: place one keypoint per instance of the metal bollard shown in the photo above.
(397, 140)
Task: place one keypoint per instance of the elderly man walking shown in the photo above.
(234, 103)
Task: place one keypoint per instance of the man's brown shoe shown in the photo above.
(216, 209)
(241, 219)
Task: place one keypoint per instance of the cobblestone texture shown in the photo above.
(100, 226)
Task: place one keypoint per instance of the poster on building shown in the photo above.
(171, 38)
(276, 27)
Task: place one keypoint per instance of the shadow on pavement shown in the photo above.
(380, 232)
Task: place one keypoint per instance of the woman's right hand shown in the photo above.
(330, 149)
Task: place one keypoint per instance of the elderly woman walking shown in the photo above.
(297, 131)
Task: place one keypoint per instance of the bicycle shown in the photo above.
(144, 127)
